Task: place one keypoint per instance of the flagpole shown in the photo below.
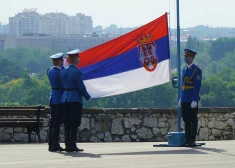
(176, 138)
(178, 63)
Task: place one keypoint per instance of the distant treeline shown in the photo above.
(200, 31)
(23, 79)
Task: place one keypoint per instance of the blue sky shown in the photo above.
(130, 13)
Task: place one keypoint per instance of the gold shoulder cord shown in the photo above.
(186, 79)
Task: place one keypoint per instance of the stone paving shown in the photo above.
(215, 154)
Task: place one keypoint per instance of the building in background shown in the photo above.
(54, 24)
(25, 22)
(80, 24)
(31, 22)
(54, 43)
(3, 29)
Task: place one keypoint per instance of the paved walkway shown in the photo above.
(215, 154)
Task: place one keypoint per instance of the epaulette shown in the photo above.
(48, 70)
(198, 68)
(79, 70)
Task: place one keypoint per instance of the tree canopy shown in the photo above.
(23, 79)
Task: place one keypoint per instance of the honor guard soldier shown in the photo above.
(74, 90)
(53, 74)
(191, 83)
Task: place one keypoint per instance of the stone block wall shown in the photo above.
(134, 125)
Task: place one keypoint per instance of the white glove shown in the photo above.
(194, 104)
(65, 63)
(179, 104)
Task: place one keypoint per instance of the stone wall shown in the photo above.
(133, 125)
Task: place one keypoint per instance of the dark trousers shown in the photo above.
(56, 116)
(191, 121)
(54, 124)
(72, 120)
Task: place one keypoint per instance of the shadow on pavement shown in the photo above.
(209, 149)
(220, 151)
(80, 154)
(165, 152)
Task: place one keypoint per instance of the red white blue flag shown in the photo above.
(137, 60)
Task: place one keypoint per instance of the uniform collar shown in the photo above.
(72, 65)
(189, 66)
(56, 67)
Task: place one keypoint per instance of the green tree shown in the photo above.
(220, 46)
(218, 90)
(9, 68)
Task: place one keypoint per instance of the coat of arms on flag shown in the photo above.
(147, 52)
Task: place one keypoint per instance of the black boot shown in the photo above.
(192, 142)
(187, 134)
(72, 147)
(66, 138)
(49, 139)
(55, 139)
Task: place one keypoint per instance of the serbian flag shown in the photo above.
(137, 60)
